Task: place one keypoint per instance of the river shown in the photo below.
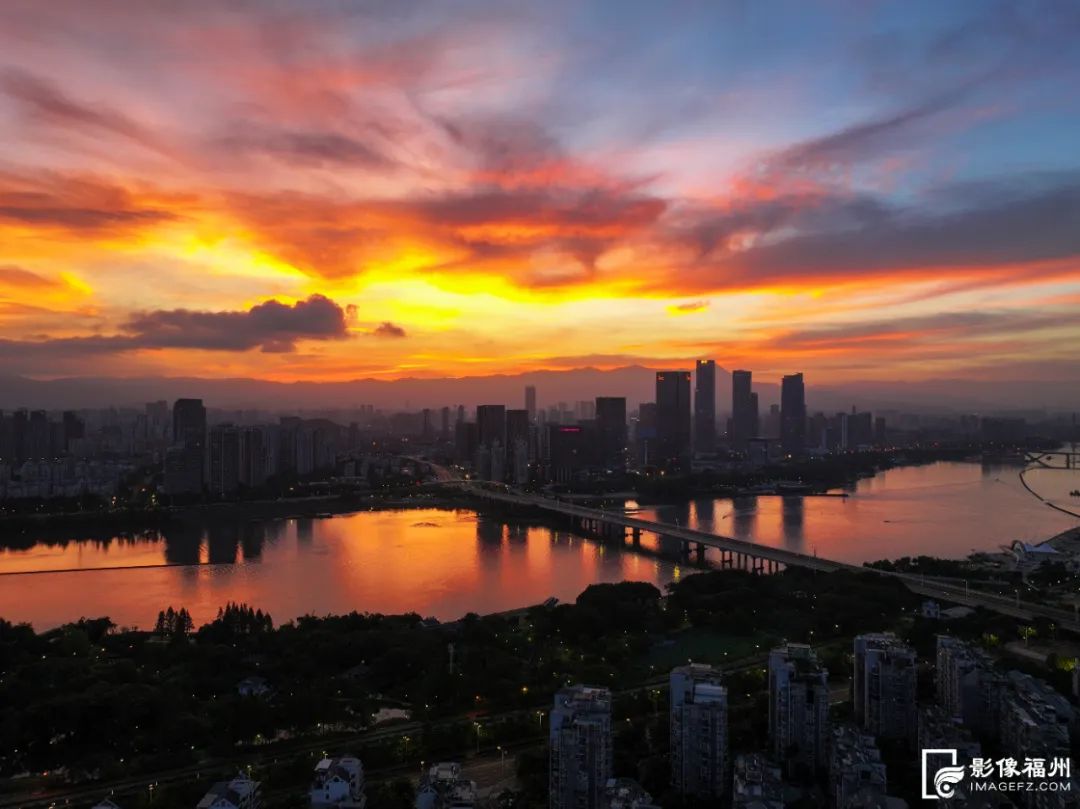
(446, 563)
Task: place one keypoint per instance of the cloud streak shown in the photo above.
(506, 191)
(271, 327)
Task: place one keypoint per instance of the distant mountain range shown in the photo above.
(636, 383)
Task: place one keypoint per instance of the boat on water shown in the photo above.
(791, 487)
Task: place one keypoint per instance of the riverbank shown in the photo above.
(26, 530)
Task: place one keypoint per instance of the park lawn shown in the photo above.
(704, 646)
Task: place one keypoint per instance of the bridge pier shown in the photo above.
(700, 553)
(757, 565)
(725, 560)
(636, 535)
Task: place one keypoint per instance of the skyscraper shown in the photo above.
(885, 687)
(517, 426)
(517, 446)
(699, 731)
(187, 470)
(224, 459)
(743, 409)
(793, 414)
(491, 424)
(580, 747)
(530, 402)
(673, 417)
(856, 772)
(491, 436)
(611, 431)
(444, 433)
(645, 434)
(189, 421)
(798, 708)
(705, 406)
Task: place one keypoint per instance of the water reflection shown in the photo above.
(183, 545)
(447, 563)
(489, 532)
(794, 514)
(705, 514)
(744, 515)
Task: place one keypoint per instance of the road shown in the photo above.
(209, 771)
(1014, 607)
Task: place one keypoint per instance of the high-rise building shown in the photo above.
(645, 434)
(673, 417)
(517, 426)
(254, 459)
(743, 409)
(580, 746)
(444, 432)
(224, 459)
(611, 431)
(189, 434)
(885, 686)
(465, 441)
(530, 402)
(189, 421)
(705, 406)
(798, 708)
(517, 446)
(491, 424)
(968, 685)
(771, 428)
(856, 772)
(793, 415)
(37, 436)
(74, 429)
(939, 731)
(184, 469)
(491, 435)
(699, 731)
(567, 451)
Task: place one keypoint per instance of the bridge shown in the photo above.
(1054, 459)
(616, 525)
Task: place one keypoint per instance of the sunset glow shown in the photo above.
(334, 191)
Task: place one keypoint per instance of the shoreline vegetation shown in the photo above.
(23, 527)
(242, 692)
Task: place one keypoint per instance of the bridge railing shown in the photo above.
(954, 592)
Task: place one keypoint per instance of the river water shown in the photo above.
(447, 563)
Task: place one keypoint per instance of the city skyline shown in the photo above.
(323, 192)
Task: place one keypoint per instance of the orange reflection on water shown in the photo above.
(438, 563)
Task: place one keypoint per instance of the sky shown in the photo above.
(318, 190)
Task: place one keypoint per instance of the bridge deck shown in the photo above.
(1025, 610)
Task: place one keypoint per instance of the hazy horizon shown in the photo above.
(636, 383)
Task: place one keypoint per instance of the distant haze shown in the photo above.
(636, 383)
